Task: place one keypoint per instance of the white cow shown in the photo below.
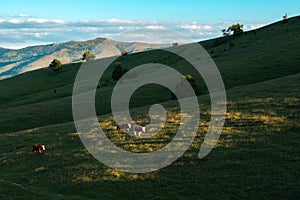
(137, 129)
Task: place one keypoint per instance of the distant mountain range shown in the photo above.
(14, 62)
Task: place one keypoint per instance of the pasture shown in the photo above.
(257, 155)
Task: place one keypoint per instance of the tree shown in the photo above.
(235, 28)
(285, 17)
(124, 51)
(88, 56)
(55, 65)
(118, 71)
(192, 81)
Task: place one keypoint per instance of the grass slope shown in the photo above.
(257, 155)
(264, 54)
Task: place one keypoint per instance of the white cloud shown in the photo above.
(40, 35)
(254, 26)
(22, 30)
(14, 21)
(191, 27)
(207, 27)
(118, 21)
(40, 21)
(155, 27)
(18, 15)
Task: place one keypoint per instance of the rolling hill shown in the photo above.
(14, 62)
(257, 155)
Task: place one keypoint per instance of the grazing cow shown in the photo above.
(38, 148)
(137, 129)
(124, 126)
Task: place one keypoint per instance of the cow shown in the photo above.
(38, 148)
(124, 126)
(137, 129)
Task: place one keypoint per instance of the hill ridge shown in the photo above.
(17, 61)
(249, 60)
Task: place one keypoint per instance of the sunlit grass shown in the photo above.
(259, 134)
(256, 156)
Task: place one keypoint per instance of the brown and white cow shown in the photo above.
(124, 126)
(38, 148)
(137, 129)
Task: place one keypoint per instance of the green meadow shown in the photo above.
(256, 157)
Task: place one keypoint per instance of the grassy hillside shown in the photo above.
(257, 155)
(257, 56)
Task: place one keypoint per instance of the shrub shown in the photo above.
(88, 56)
(235, 28)
(118, 71)
(285, 17)
(55, 65)
(124, 51)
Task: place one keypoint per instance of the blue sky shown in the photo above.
(32, 22)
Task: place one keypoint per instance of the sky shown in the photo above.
(33, 22)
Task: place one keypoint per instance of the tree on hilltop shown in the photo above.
(124, 51)
(285, 17)
(88, 56)
(55, 65)
(235, 28)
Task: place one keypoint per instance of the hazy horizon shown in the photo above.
(26, 24)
